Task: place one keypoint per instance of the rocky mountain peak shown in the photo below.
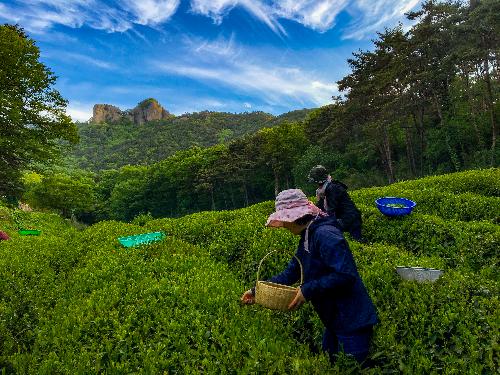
(148, 110)
(106, 113)
(145, 111)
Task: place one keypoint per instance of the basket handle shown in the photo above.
(298, 260)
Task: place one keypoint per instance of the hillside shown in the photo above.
(75, 301)
(123, 141)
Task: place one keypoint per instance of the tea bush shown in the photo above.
(482, 182)
(31, 273)
(463, 207)
(77, 302)
(31, 269)
(424, 327)
(235, 239)
(473, 244)
(166, 307)
(11, 220)
(450, 326)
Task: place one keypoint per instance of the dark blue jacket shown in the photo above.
(340, 205)
(331, 280)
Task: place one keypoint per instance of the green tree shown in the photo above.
(33, 120)
(70, 195)
(280, 148)
(247, 170)
(327, 127)
(433, 63)
(480, 41)
(375, 89)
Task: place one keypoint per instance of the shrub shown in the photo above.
(483, 182)
(472, 244)
(463, 207)
(78, 302)
(166, 307)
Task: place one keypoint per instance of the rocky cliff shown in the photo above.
(147, 110)
(106, 113)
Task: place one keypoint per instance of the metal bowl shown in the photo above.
(419, 274)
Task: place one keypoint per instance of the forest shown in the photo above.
(422, 101)
(114, 145)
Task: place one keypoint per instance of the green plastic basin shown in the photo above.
(141, 239)
(29, 232)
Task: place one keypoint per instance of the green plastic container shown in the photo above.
(141, 239)
(29, 232)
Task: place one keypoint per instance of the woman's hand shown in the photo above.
(298, 301)
(248, 298)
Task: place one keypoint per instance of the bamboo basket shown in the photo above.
(275, 296)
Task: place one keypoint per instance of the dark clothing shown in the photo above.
(3, 236)
(355, 343)
(355, 232)
(340, 205)
(331, 279)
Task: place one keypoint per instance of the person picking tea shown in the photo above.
(331, 280)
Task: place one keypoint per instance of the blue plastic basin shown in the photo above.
(394, 206)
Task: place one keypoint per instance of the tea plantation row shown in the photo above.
(86, 305)
(76, 302)
(425, 328)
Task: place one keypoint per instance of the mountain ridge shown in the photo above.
(119, 140)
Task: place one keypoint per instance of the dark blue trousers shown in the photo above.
(355, 343)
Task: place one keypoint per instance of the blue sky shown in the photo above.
(194, 55)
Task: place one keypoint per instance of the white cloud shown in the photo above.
(317, 15)
(79, 111)
(194, 103)
(218, 9)
(39, 16)
(220, 46)
(248, 72)
(376, 15)
(210, 102)
(80, 59)
(272, 84)
(320, 15)
(247, 105)
(83, 59)
(211, 51)
(152, 11)
(262, 12)
(332, 87)
(367, 16)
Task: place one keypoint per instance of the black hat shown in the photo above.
(318, 174)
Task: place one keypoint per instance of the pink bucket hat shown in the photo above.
(291, 205)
